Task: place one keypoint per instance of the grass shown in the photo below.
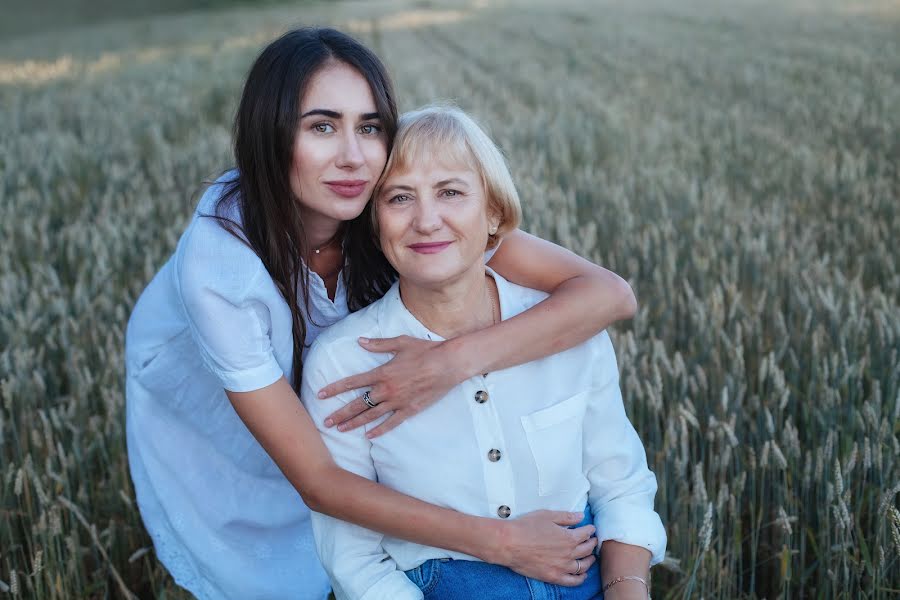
(737, 163)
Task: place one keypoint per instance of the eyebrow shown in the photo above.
(455, 180)
(396, 187)
(407, 188)
(333, 114)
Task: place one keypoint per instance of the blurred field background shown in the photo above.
(737, 162)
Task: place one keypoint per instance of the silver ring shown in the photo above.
(577, 567)
(368, 400)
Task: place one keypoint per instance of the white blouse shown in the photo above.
(550, 434)
(223, 519)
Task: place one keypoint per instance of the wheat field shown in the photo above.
(737, 163)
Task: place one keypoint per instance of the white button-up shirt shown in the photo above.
(549, 434)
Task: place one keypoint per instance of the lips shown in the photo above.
(429, 247)
(348, 188)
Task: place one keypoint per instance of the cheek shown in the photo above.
(381, 230)
(308, 157)
(476, 221)
(376, 155)
(390, 229)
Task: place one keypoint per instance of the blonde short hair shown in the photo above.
(445, 133)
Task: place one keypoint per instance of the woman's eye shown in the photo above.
(452, 193)
(323, 127)
(399, 199)
(369, 129)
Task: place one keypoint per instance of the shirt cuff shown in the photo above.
(628, 524)
(394, 586)
(247, 380)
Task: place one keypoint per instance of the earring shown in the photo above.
(493, 230)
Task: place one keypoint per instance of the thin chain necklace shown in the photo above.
(330, 241)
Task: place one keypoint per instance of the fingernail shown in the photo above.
(321, 394)
(370, 435)
(363, 340)
(328, 422)
(342, 428)
(576, 515)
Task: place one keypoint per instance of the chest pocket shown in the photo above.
(555, 436)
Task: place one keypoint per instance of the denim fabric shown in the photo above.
(447, 579)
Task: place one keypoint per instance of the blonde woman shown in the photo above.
(550, 434)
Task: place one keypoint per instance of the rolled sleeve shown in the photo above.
(622, 521)
(353, 556)
(622, 486)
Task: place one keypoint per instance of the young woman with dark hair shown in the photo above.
(279, 248)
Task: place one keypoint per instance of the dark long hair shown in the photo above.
(265, 127)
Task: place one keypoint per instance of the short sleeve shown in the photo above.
(227, 296)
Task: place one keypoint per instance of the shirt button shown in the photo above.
(481, 396)
(494, 455)
(503, 512)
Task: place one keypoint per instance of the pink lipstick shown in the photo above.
(348, 188)
(429, 247)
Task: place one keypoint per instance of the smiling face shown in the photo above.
(433, 222)
(340, 148)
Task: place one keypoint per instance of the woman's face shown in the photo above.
(340, 148)
(433, 222)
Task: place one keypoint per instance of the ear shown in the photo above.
(493, 224)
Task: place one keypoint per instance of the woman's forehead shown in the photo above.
(429, 154)
(340, 88)
(434, 167)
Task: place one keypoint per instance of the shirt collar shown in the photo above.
(395, 319)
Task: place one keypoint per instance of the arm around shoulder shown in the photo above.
(533, 262)
(584, 300)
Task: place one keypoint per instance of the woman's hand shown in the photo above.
(419, 374)
(540, 545)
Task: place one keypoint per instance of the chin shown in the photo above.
(429, 278)
(349, 211)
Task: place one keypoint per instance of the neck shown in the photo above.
(453, 308)
(319, 229)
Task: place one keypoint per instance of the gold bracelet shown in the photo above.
(622, 578)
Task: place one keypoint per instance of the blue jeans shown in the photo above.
(448, 579)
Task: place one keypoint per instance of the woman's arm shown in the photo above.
(584, 300)
(625, 560)
(536, 545)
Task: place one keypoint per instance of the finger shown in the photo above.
(564, 518)
(392, 421)
(354, 382)
(346, 413)
(391, 344)
(569, 580)
(585, 549)
(364, 417)
(582, 533)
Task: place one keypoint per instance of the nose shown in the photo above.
(428, 217)
(350, 155)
